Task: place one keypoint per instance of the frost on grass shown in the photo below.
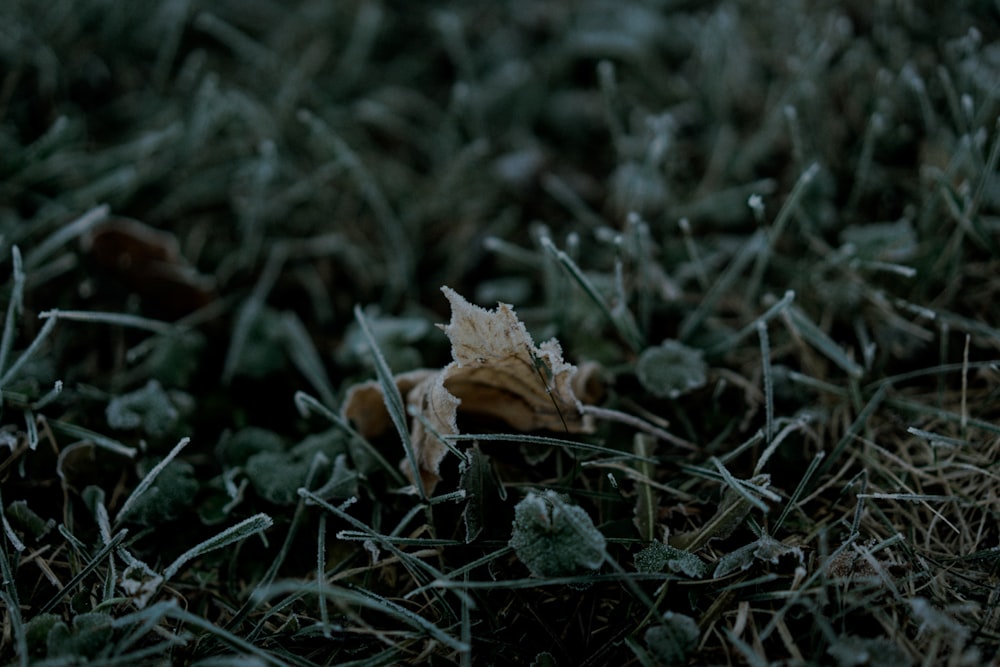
(554, 539)
(497, 371)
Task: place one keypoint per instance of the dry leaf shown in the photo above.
(497, 372)
(149, 262)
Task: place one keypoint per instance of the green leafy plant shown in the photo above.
(674, 639)
(151, 409)
(553, 538)
(671, 369)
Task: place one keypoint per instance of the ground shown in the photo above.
(765, 238)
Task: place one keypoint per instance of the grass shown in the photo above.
(773, 227)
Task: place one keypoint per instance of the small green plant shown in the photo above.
(673, 640)
(553, 538)
(671, 369)
(150, 409)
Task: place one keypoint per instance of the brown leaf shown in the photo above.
(149, 262)
(364, 404)
(497, 372)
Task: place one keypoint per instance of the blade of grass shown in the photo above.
(750, 249)
(99, 440)
(393, 399)
(555, 442)
(731, 342)
(765, 356)
(305, 357)
(10, 584)
(742, 488)
(853, 430)
(16, 628)
(342, 596)
(646, 502)
(148, 480)
(250, 309)
(65, 234)
(117, 319)
(799, 490)
(304, 402)
(14, 307)
(788, 208)
(43, 333)
(84, 572)
(257, 523)
(618, 317)
(544, 582)
(800, 324)
(421, 571)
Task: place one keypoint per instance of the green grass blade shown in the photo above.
(250, 526)
(148, 480)
(393, 399)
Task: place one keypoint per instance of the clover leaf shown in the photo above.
(555, 539)
(671, 369)
(674, 639)
(151, 409)
(277, 475)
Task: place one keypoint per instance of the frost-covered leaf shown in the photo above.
(175, 359)
(277, 476)
(671, 369)
(89, 634)
(555, 539)
(171, 492)
(657, 556)
(765, 548)
(236, 447)
(342, 482)
(151, 408)
(476, 479)
(140, 583)
(23, 518)
(673, 641)
(262, 337)
(850, 651)
(544, 659)
(497, 371)
(36, 632)
(738, 559)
